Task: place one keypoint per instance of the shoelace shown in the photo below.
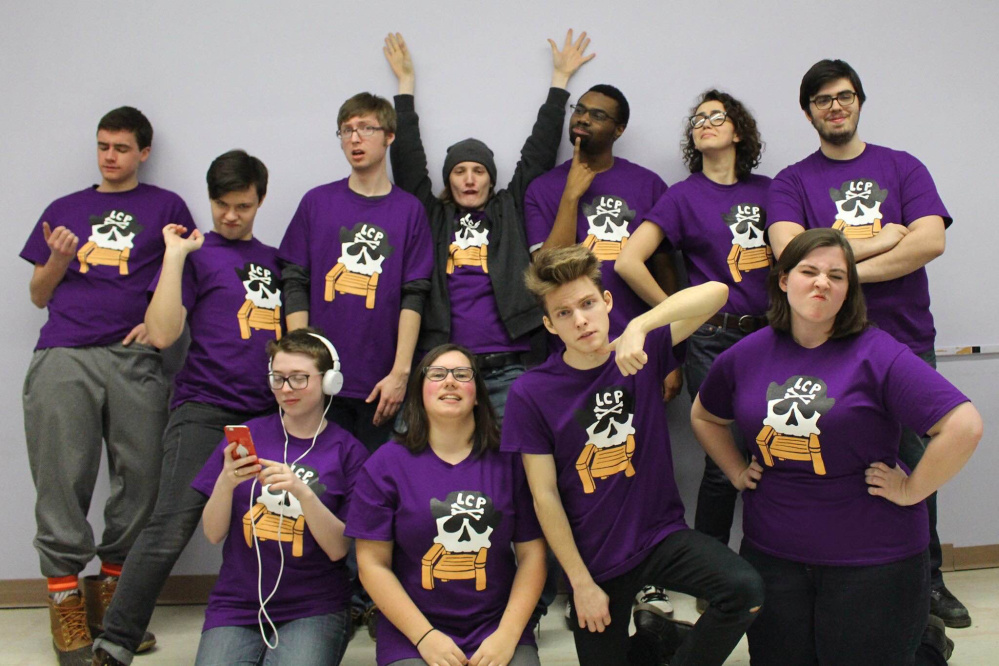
(655, 595)
(73, 621)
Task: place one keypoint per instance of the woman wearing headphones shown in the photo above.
(448, 545)
(283, 569)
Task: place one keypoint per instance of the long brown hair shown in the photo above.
(852, 315)
(416, 438)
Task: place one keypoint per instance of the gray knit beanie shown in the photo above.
(469, 150)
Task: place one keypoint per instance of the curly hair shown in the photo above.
(749, 147)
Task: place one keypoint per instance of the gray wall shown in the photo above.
(268, 77)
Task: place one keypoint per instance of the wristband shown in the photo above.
(424, 636)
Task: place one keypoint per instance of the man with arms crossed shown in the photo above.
(887, 205)
(596, 450)
(225, 286)
(95, 375)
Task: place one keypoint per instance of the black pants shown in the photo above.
(689, 562)
(839, 615)
(354, 415)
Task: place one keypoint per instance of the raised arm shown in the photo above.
(166, 312)
(62, 248)
(630, 264)
(591, 602)
(409, 159)
(578, 180)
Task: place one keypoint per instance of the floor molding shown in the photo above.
(180, 590)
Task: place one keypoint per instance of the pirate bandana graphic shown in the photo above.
(110, 242)
(277, 516)
(465, 519)
(607, 418)
(262, 308)
(363, 249)
(747, 222)
(790, 429)
(858, 208)
(608, 218)
(471, 243)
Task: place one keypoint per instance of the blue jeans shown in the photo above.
(319, 640)
(910, 451)
(716, 496)
(524, 655)
(192, 433)
(817, 614)
(498, 381)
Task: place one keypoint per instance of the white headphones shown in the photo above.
(332, 379)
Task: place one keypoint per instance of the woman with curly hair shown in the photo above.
(716, 219)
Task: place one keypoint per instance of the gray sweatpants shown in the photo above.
(75, 398)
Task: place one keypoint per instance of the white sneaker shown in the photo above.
(654, 599)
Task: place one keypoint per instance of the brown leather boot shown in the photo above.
(98, 591)
(70, 635)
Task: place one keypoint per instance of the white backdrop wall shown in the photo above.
(269, 77)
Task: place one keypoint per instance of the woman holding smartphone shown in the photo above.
(833, 522)
(448, 545)
(283, 593)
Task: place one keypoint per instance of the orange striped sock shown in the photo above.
(109, 569)
(66, 584)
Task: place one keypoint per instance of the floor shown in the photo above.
(25, 638)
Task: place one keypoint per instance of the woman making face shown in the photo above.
(435, 515)
(833, 523)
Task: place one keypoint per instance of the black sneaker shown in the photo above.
(935, 638)
(102, 658)
(945, 606)
(658, 635)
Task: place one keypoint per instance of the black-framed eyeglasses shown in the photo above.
(716, 118)
(346, 133)
(844, 98)
(595, 114)
(296, 382)
(438, 373)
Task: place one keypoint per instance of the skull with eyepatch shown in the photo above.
(794, 407)
(465, 519)
(858, 202)
(608, 218)
(115, 230)
(364, 248)
(262, 288)
(607, 417)
(747, 222)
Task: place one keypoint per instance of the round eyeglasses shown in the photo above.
(844, 98)
(715, 118)
(438, 373)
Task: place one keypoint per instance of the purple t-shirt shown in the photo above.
(452, 528)
(103, 294)
(609, 212)
(719, 230)
(311, 583)
(232, 293)
(858, 196)
(475, 318)
(359, 251)
(610, 442)
(816, 419)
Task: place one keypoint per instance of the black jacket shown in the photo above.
(508, 255)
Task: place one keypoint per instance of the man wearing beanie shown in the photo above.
(477, 294)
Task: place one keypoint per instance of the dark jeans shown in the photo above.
(354, 415)
(839, 615)
(692, 563)
(910, 451)
(716, 496)
(498, 381)
(192, 433)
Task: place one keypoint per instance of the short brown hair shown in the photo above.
(558, 266)
(416, 438)
(364, 103)
(301, 341)
(852, 316)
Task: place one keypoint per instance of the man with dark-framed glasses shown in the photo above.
(887, 205)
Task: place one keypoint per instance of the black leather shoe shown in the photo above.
(935, 638)
(945, 606)
(659, 635)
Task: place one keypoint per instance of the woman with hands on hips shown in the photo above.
(283, 592)
(833, 522)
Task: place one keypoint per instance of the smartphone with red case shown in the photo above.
(240, 436)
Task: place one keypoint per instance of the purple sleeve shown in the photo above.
(919, 194)
(717, 389)
(353, 455)
(524, 428)
(527, 527)
(182, 216)
(204, 482)
(294, 247)
(659, 188)
(785, 201)
(538, 216)
(916, 394)
(420, 253)
(373, 504)
(36, 250)
(666, 215)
